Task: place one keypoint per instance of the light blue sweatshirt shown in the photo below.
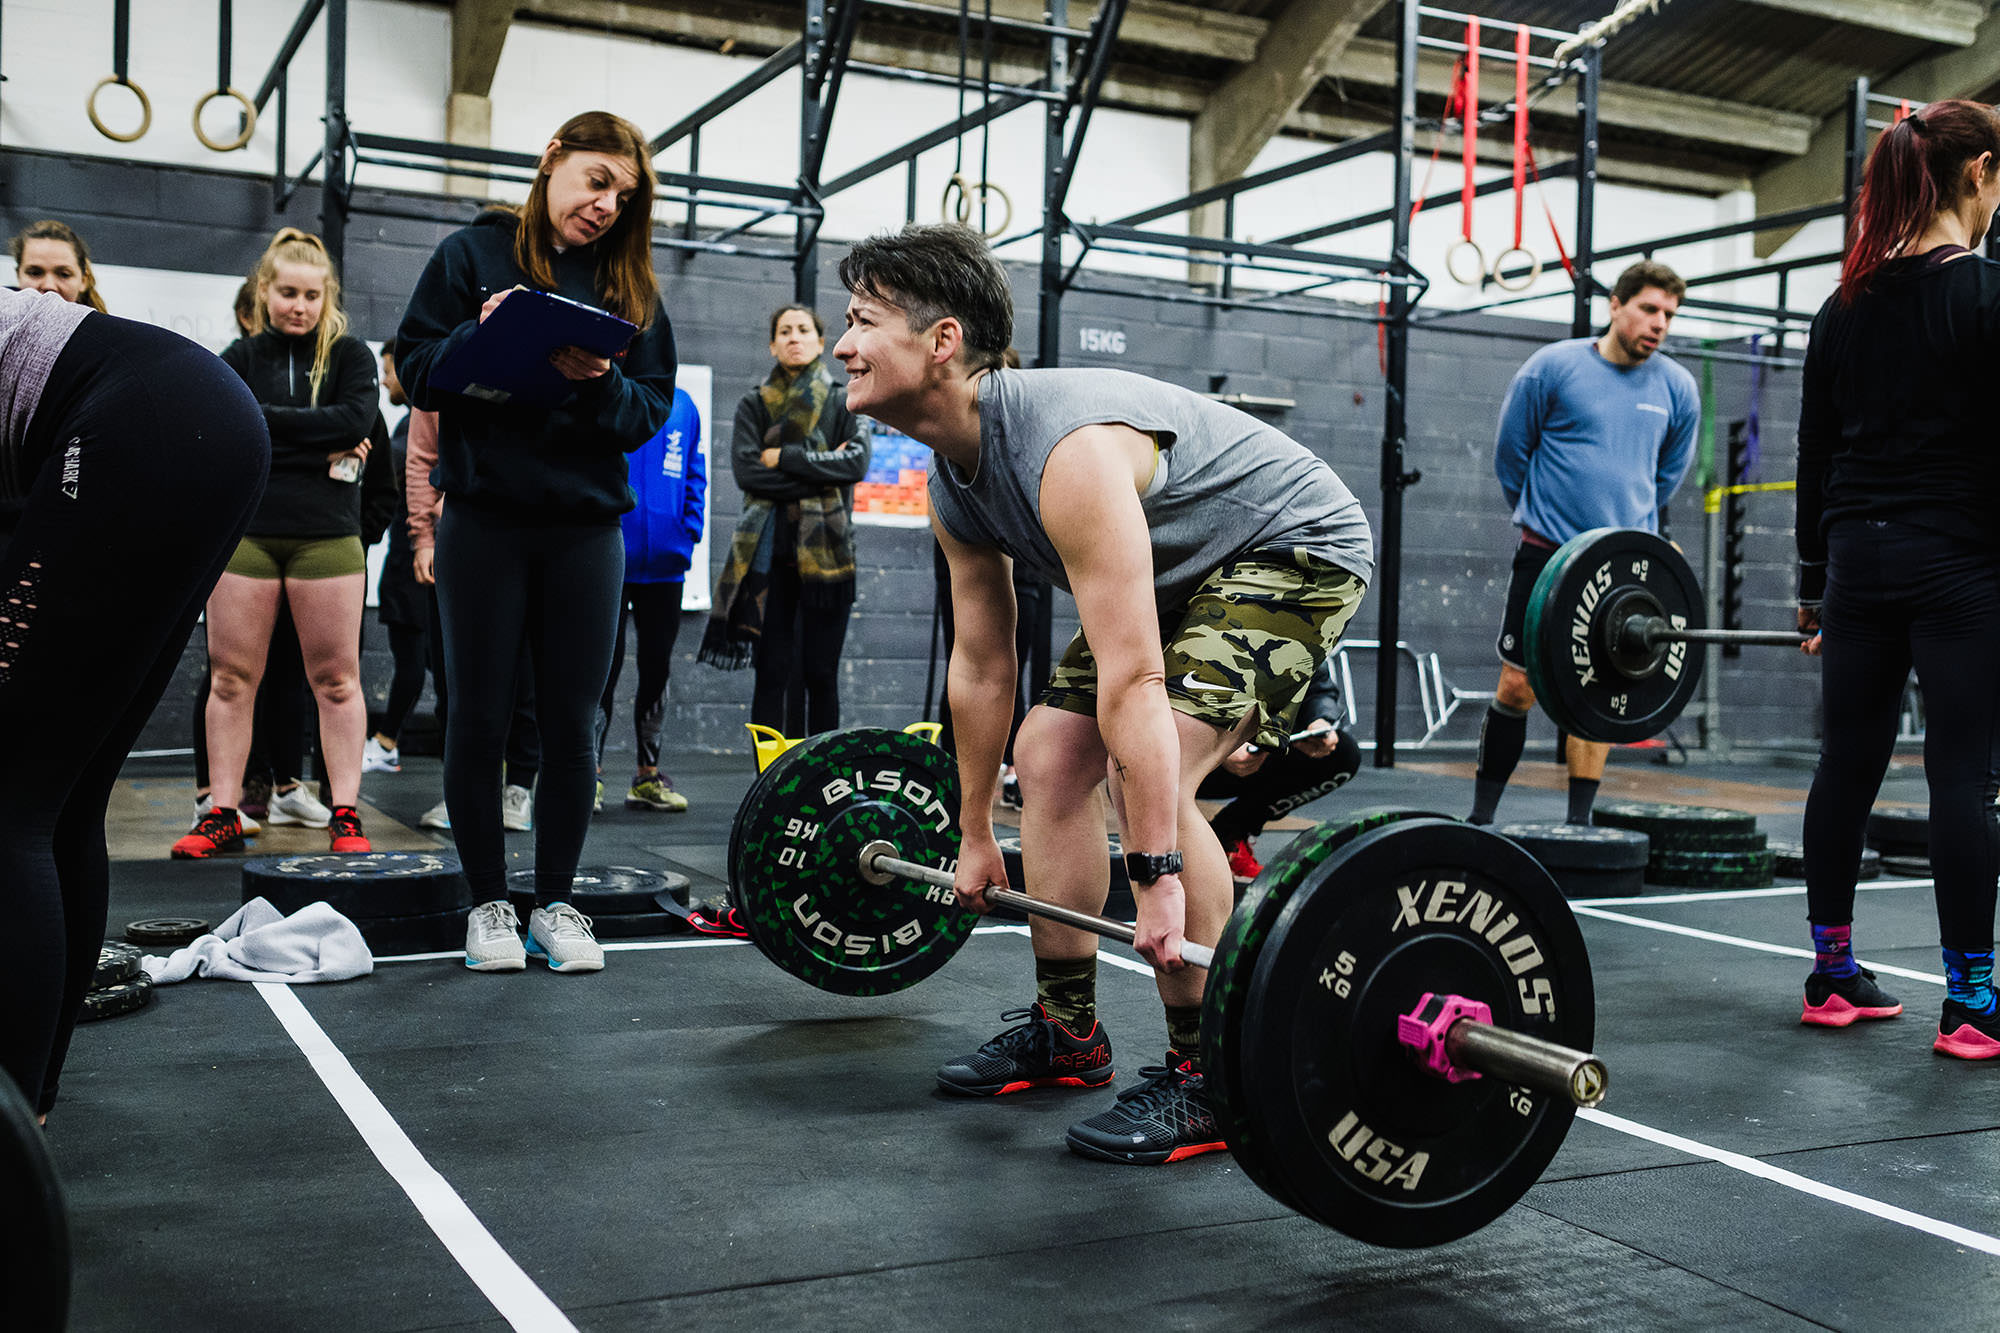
(1585, 444)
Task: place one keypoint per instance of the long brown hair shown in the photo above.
(48, 229)
(292, 246)
(1916, 170)
(625, 278)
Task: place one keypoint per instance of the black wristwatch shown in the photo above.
(1145, 868)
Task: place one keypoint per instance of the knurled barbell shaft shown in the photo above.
(1510, 1056)
(1515, 1057)
(1651, 630)
(880, 858)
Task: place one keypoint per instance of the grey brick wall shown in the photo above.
(1457, 538)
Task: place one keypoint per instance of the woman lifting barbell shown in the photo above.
(1897, 563)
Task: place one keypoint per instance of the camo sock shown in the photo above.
(1067, 990)
(1184, 1031)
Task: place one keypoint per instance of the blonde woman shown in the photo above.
(317, 389)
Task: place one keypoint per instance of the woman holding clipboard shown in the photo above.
(529, 543)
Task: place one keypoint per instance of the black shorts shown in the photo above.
(1529, 560)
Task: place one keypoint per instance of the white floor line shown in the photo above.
(1958, 1235)
(513, 1293)
(1737, 941)
(1726, 895)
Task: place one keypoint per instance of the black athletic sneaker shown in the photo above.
(1164, 1119)
(1836, 1002)
(1967, 1035)
(1039, 1053)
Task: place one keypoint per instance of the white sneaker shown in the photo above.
(251, 828)
(517, 809)
(298, 806)
(379, 758)
(436, 817)
(493, 939)
(562, 935)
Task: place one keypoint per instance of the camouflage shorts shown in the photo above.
(1251, 638)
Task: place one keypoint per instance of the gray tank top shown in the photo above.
(34, 327)
(1227, 485)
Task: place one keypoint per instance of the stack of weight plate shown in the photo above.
(1791, 859)
(404, 902)
(119, 986)
(1694, 846)
(1585, 861)
(1120, 904)
(622, 902)
(1904, 839)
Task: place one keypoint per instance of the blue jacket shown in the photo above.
(669, 479)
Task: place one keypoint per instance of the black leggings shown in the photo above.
(798, 654)
(411, 655)
(656, 614)
(154, 456)
(524, 742)
(1281, 784)
(1899, 597)
(503, 582)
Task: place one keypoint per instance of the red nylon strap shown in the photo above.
(1451, 104)
(1520, 127)
(1903, 111)
(1469, 118)
(1554, 235)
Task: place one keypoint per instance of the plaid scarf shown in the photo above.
(825, 540)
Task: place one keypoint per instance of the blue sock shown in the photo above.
(1833, 951)
(1968, 979)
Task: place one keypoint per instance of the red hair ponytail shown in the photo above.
(1916, 170)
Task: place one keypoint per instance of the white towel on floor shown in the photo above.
(258, 943)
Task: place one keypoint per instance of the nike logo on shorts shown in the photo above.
(1190, 684)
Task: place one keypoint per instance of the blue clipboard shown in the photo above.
(506, 360)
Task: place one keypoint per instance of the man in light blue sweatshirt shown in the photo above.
(1595, 433)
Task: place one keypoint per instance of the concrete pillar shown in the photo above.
(468, 120)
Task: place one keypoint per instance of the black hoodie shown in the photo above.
(566, 462)
(301, 499)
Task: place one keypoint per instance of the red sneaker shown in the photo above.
(1243, 862)
(345, 830)
(217, 831)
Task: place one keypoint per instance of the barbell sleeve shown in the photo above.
(1530, 1062)
(879, 862)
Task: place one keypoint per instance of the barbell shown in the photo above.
(1606, 635)
(1397, 1016)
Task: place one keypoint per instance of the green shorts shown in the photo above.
(298, 557)
(1251, 638)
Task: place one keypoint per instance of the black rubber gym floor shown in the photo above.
(694, 1139)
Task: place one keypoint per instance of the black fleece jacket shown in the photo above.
(565, 463)
(301, 500)
(1896, 420)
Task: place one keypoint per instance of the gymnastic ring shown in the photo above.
(1458, 246)
(1525, 280)
(145, 110)
(963, 187)
(987, 188)
(249, 120)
